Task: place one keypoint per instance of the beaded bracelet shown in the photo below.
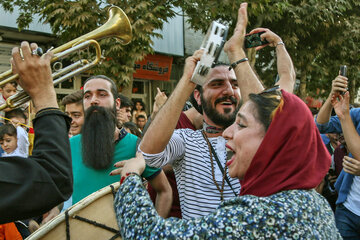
(234, 64)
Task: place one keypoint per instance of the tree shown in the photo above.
(320, 36)
(71, 19)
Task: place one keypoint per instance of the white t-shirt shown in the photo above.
(188, 153)
(352, 202)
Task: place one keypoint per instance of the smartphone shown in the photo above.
(343, 71)
(254, 40)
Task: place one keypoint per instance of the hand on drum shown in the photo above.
(133, 165)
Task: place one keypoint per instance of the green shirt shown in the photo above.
(88, 180)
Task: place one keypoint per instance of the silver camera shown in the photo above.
(213, 44)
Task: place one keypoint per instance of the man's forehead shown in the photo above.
(220, 72)
(97, 83)
(74, 107)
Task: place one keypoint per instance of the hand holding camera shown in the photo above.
(262, 37)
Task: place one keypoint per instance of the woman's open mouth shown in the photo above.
(230, 153)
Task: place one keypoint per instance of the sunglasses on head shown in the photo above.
(271, 89)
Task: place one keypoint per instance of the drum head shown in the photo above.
(91, 218)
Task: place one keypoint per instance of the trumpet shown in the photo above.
(117, 25)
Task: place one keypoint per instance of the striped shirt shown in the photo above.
(189, 155)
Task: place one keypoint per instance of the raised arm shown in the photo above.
(352, 138)
(161, 129)
(339, 84)
(285, 66)
(246, 77)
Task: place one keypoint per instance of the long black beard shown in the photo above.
(98, 137)
(223, 120)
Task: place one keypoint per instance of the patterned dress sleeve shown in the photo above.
(138, 219)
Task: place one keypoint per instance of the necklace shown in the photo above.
(211, 129)
(221, 190)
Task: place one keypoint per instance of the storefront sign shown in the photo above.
(154, 67)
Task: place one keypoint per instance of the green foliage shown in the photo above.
(320, 35)
(71, 19)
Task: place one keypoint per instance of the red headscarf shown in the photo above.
(291, 155)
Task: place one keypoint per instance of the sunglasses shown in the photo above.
(271, 89)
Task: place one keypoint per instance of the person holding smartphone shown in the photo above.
(346, 121)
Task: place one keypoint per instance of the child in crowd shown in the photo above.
(7, 91)
(16, 116)
(14, 141)
(139, 109)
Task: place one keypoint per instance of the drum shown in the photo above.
(91, 218)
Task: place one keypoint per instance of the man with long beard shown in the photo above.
(199, 157)
(101, 144)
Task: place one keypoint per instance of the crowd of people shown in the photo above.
(228, 159)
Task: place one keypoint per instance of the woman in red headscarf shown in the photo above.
(279, 158)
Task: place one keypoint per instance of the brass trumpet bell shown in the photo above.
(117, 25)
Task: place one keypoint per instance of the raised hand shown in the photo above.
(190, 64)
(235, 44)
(270, 36)
(160, 98)
(340, 104)
(35, 75)
(339, 85)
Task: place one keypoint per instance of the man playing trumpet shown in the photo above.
(34, 185)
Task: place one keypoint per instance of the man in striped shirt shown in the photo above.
(200, 180)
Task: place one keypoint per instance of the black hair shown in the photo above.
(16, 112)
(193, 100)
(133, 128)
(266, 104)
(8, 129)
(141, 103)
(75, 97)
(125, 101)
(141, 116)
